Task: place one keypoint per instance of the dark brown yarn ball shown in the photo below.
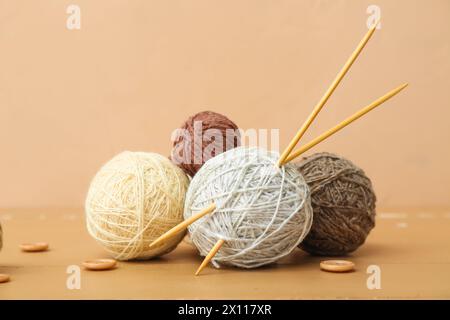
(187, 143)
(343, 203)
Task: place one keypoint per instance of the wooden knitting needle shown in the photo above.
(287, 151)
(210, 255)
(311, 118)
(311, 144)
(345, 123)
(183, 225)
(299, 134)
(327, 95)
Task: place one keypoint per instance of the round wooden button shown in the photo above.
(34, 247)
(337, 265)
(99, 264)
(4, 278)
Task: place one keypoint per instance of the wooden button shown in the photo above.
(34, 247)
(99, 264)
(337, 265)
(4, 278)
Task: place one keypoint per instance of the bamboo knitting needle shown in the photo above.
(182, 226)
(300, 133)
(295, 140)
(311, 118)
(345, 123)
(327, 95)
(314, 113)
(210, 255)
(311, 144)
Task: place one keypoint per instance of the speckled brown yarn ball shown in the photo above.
(201, 137)
(343, 203)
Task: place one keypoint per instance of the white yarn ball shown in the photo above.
(263, 212)
(134, 199)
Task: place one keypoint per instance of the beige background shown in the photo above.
(70, 100)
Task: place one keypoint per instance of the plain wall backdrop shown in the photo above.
(72, 99)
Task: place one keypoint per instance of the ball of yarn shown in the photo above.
(343, 202)
(263, 212)
(201, 137)
(134, 199)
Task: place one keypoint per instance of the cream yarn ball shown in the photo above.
(134, 199)
(263, 212)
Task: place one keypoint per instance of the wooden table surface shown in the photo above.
(411, 248)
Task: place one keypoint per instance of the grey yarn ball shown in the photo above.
(343, 204)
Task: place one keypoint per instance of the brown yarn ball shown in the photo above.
(343, 204)
(203, 136)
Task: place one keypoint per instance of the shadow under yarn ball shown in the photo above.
(202, 137)
(343, 204)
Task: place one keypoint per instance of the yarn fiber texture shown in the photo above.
(263, 212)
(343, 202)
(205, 131)
(134, 199)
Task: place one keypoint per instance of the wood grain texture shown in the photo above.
(412, 248)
